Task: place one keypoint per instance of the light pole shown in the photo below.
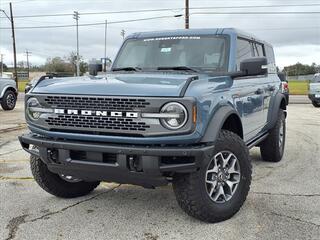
(123, 33)
(76, 17)
(28, 64)
(105, 47)
(186, 14)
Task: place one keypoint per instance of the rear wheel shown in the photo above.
(218, 190)
(59, 185)
(273, 147)
(316, 104)
(9, 100)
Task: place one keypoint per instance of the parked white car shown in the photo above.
(314, 90)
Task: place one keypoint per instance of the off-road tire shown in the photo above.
(4, 103)
(55, 185)
(315, 104)
(190, 189)
(270, 149)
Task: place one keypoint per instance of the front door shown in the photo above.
(248, 99)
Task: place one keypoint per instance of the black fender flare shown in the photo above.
(217, 121)
(274, 107)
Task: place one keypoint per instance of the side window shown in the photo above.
(244, 51)
(258, 50)
(270, 54)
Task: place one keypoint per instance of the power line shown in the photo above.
(143, 19)
(94, 24)
(258, 13)
(167, 9)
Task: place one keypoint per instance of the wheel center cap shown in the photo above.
(221, 176)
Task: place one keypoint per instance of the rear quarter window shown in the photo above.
(270, 54)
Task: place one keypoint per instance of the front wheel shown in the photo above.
(218, 190)
(59, 185)
(9, 100)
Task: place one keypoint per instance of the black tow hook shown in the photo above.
(134, 163)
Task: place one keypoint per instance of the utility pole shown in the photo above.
(186, 14)
(76, 17)
(13, 43)
(123, 33)
(28, 65)
(105, 47)
(1, 56)
(14, 47)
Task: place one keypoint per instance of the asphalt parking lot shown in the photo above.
(284, 201)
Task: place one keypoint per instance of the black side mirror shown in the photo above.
(95, 68)
(282, 77)
(254, 66)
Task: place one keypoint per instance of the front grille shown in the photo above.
(95, 122)
(106, 115)
(96, 103)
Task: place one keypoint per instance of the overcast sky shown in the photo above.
(295, 37)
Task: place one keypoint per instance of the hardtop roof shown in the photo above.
(196, 31)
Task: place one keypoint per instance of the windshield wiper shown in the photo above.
(136, 69)
(179, 68)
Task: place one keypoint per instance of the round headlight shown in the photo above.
(32, 106)
(177, 115)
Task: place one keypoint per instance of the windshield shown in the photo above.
(316, 79)
(207, 53)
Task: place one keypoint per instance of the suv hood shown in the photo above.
(135, 84)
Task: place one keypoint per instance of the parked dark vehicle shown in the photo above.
(181, 107)
(284, 85)
(34, 81)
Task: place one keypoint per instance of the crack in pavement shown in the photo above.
(15, 178)
(72, 205)
(288, 194)
(15, 222)
(294, 218)
(5, 153)
(11, 129)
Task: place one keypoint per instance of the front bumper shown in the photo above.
(313, 98)
(147, 166)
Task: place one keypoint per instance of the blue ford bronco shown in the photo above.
(181, 107)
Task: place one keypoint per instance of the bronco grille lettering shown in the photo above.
(96, 113)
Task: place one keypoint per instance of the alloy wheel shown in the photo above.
(11, 100)
(222, 176)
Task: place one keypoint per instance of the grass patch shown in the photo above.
(22, 85)
(298, 87)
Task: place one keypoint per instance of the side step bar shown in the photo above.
(257, 140)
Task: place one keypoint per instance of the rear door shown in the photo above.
(271, 83)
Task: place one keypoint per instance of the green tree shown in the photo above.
(72, 59)
(58, 65)
(301, 69)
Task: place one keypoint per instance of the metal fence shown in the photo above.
(300, 77)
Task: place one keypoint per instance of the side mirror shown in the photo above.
(282, 77)
(95, 68)
(254, 66)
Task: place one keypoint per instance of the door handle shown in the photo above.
(259, 91)
(271, 88)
